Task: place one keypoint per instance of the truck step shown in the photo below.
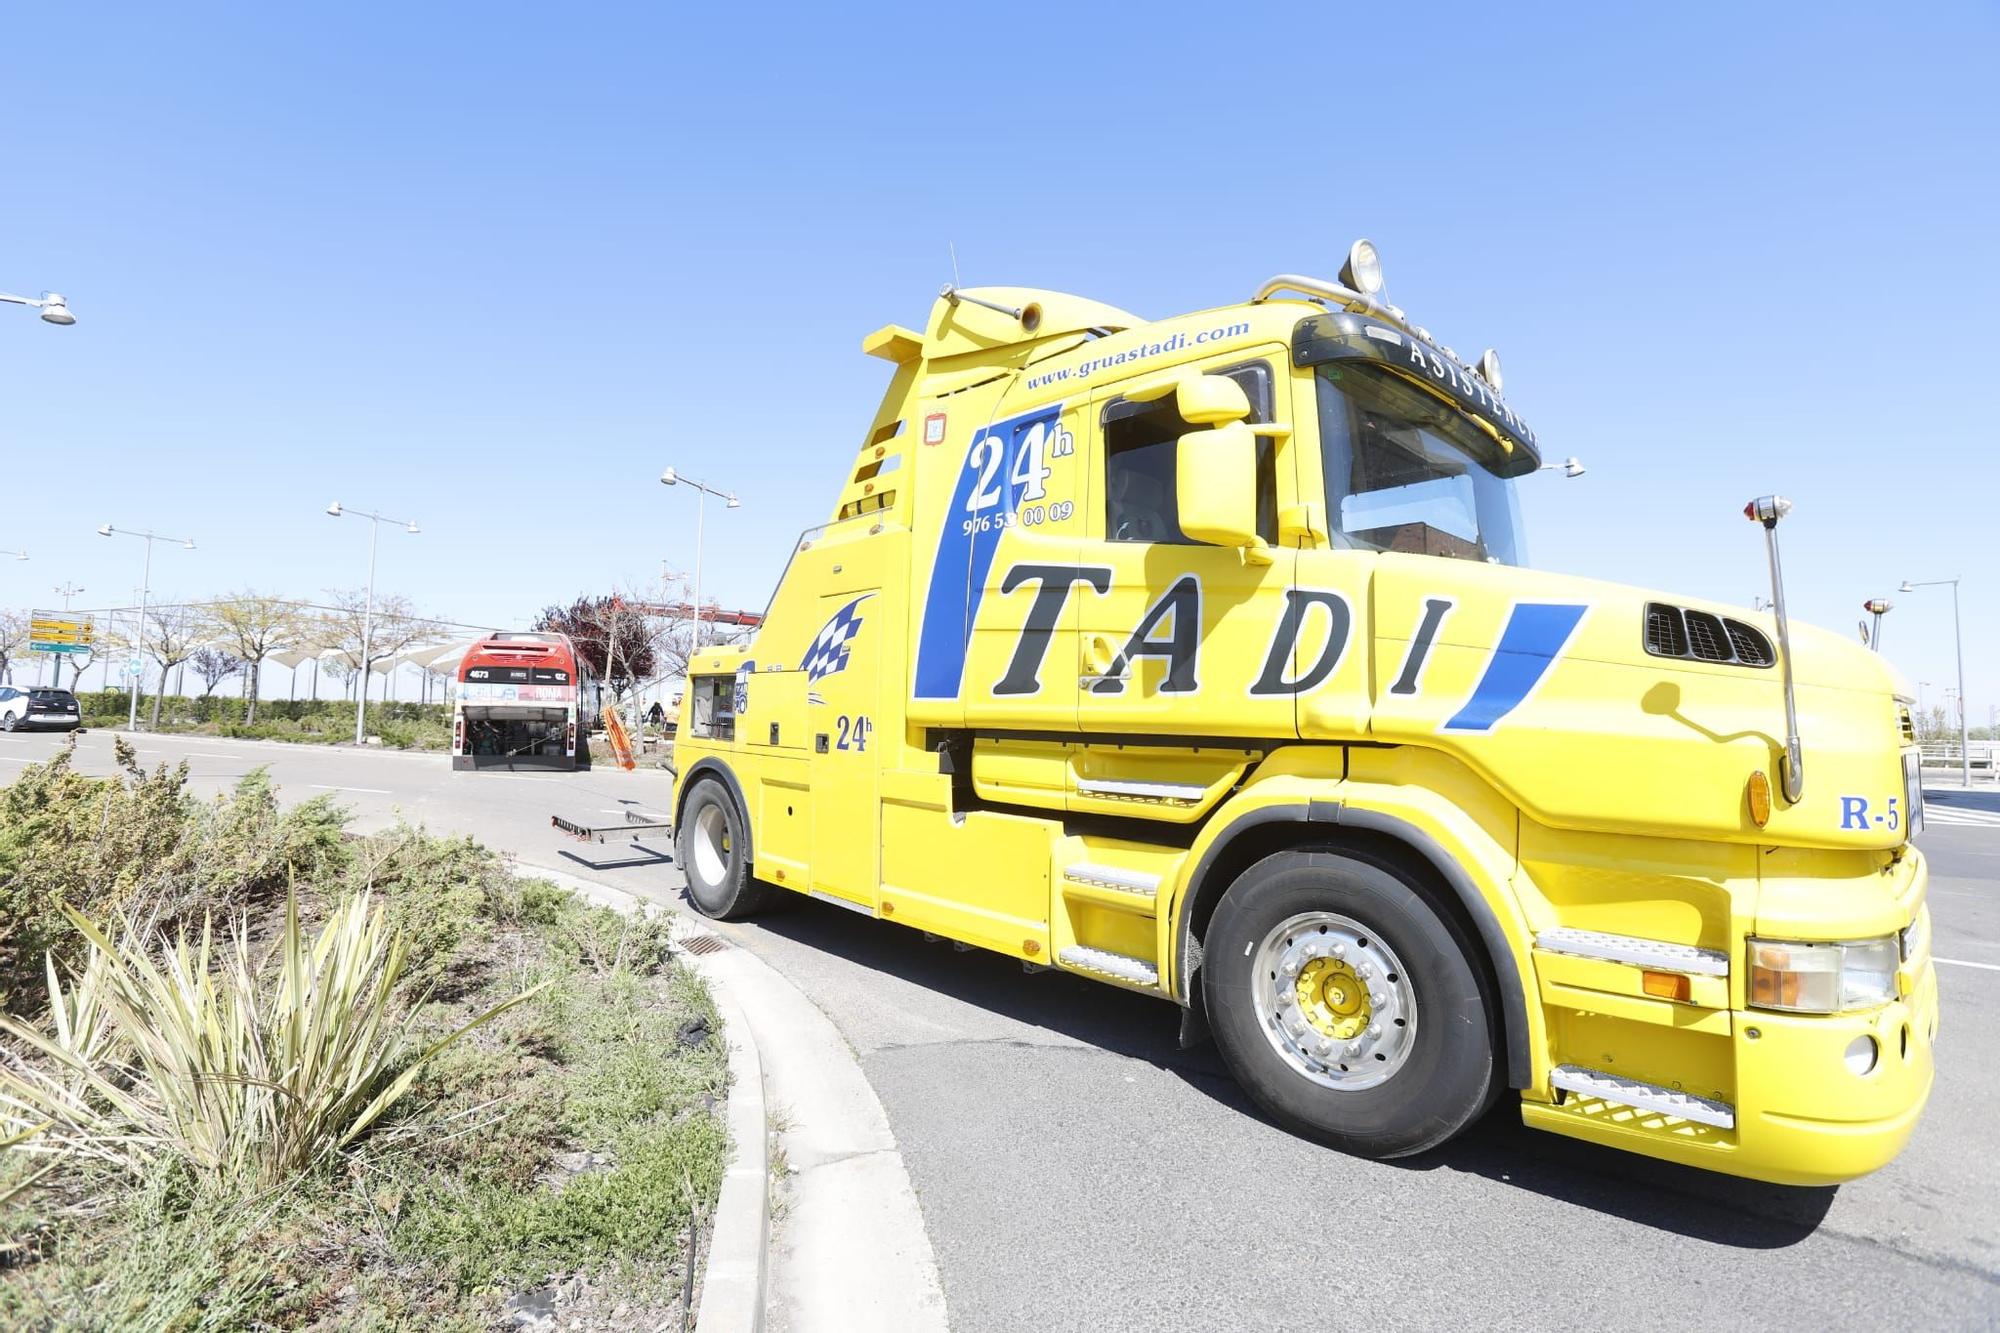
(1118, 789)
(1633, 949)
(1643, 1096)
(1135, 971)
(1137, 883)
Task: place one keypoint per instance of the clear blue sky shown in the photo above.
(493, 266)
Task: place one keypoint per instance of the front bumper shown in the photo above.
(1801, 1115)
(1798, 1123)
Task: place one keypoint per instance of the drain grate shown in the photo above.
(700, 944)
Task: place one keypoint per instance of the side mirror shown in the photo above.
(1210, 400)
(1215, 481)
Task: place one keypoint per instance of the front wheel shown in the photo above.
(1347, 1005)
(714, 855)
(9, 722)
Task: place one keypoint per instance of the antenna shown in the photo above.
(955, 283)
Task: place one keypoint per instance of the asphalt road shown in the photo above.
(1078, 1170)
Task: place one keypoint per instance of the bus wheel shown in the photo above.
(1347, 1005)
(711, 852)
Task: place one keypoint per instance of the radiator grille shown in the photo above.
(1701, 636)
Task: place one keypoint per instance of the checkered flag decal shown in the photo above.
(829, 650)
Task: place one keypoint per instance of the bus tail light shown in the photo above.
(572, 736)
(458, 736)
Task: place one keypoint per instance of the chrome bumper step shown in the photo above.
(1136, 882)
(1635, 950)
(1104, 963)
(1643, 1096)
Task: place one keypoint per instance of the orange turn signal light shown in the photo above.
(1667, 985)
(1759, 792)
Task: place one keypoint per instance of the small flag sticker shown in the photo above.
(934, 428)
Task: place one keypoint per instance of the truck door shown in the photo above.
(998, 624)
(842, 669)
(1180, 641)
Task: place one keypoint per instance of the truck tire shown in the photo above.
(714, 855)
(1347, 1005)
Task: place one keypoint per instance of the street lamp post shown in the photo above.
(145, 592)
(375, 522)
(702, 491)
(54, 309)
(66, 590)
(1958, 642)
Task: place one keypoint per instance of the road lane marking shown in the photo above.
(1961, 962)
(211, 754)
(372, 791)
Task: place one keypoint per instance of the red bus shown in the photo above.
(524, 700)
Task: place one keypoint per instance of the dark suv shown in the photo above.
(38, 708)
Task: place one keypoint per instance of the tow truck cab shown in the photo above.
(1199, 657)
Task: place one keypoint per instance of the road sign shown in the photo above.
(60, 632)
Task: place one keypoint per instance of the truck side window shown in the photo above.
(714, 707)
(1139, 439)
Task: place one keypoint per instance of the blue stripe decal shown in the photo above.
(958, 574)
(1535, 635)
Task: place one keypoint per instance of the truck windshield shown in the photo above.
(1407, 472)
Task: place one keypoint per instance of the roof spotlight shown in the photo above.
(1363, 270)
(1489, 368)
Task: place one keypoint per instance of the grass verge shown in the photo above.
(553, 1159)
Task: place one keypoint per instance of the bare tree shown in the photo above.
(175, 633)
(213, 666)
(395, 626)
(13, 639)
(254, 625)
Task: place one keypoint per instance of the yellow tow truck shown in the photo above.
(1199, 657)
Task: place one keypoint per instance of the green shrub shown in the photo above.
(140, 838)
(167, 1050)
(437, 891)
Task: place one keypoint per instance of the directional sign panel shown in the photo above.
(60, 632)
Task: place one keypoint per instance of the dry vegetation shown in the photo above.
(256, 1073)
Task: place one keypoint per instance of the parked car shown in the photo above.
(38, 708)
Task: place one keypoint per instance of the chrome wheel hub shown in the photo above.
(710, 845)
(1334, 1000)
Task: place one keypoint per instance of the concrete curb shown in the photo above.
(853, 1252)
(734, 1281)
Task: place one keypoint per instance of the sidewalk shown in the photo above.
(835, 1238)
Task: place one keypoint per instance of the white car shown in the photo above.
(38, 708)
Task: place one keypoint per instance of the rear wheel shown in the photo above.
(1347, 1005)
(713, 854)
(9, 722)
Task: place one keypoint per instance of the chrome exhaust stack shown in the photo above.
(1768, 509)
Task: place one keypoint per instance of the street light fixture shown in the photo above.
(1958, 641)
(702, 491)
(1569, 467)
(18, 555)
(145, 592)
(375, 522)
(54, 309)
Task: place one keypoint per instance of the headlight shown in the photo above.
(1823, 978)
(1913, 792)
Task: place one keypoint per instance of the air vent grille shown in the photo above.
(1752, 648)
(1701, 636)
(1707, 638)
(1666, 635)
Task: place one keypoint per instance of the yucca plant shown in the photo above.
(182, 1050)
